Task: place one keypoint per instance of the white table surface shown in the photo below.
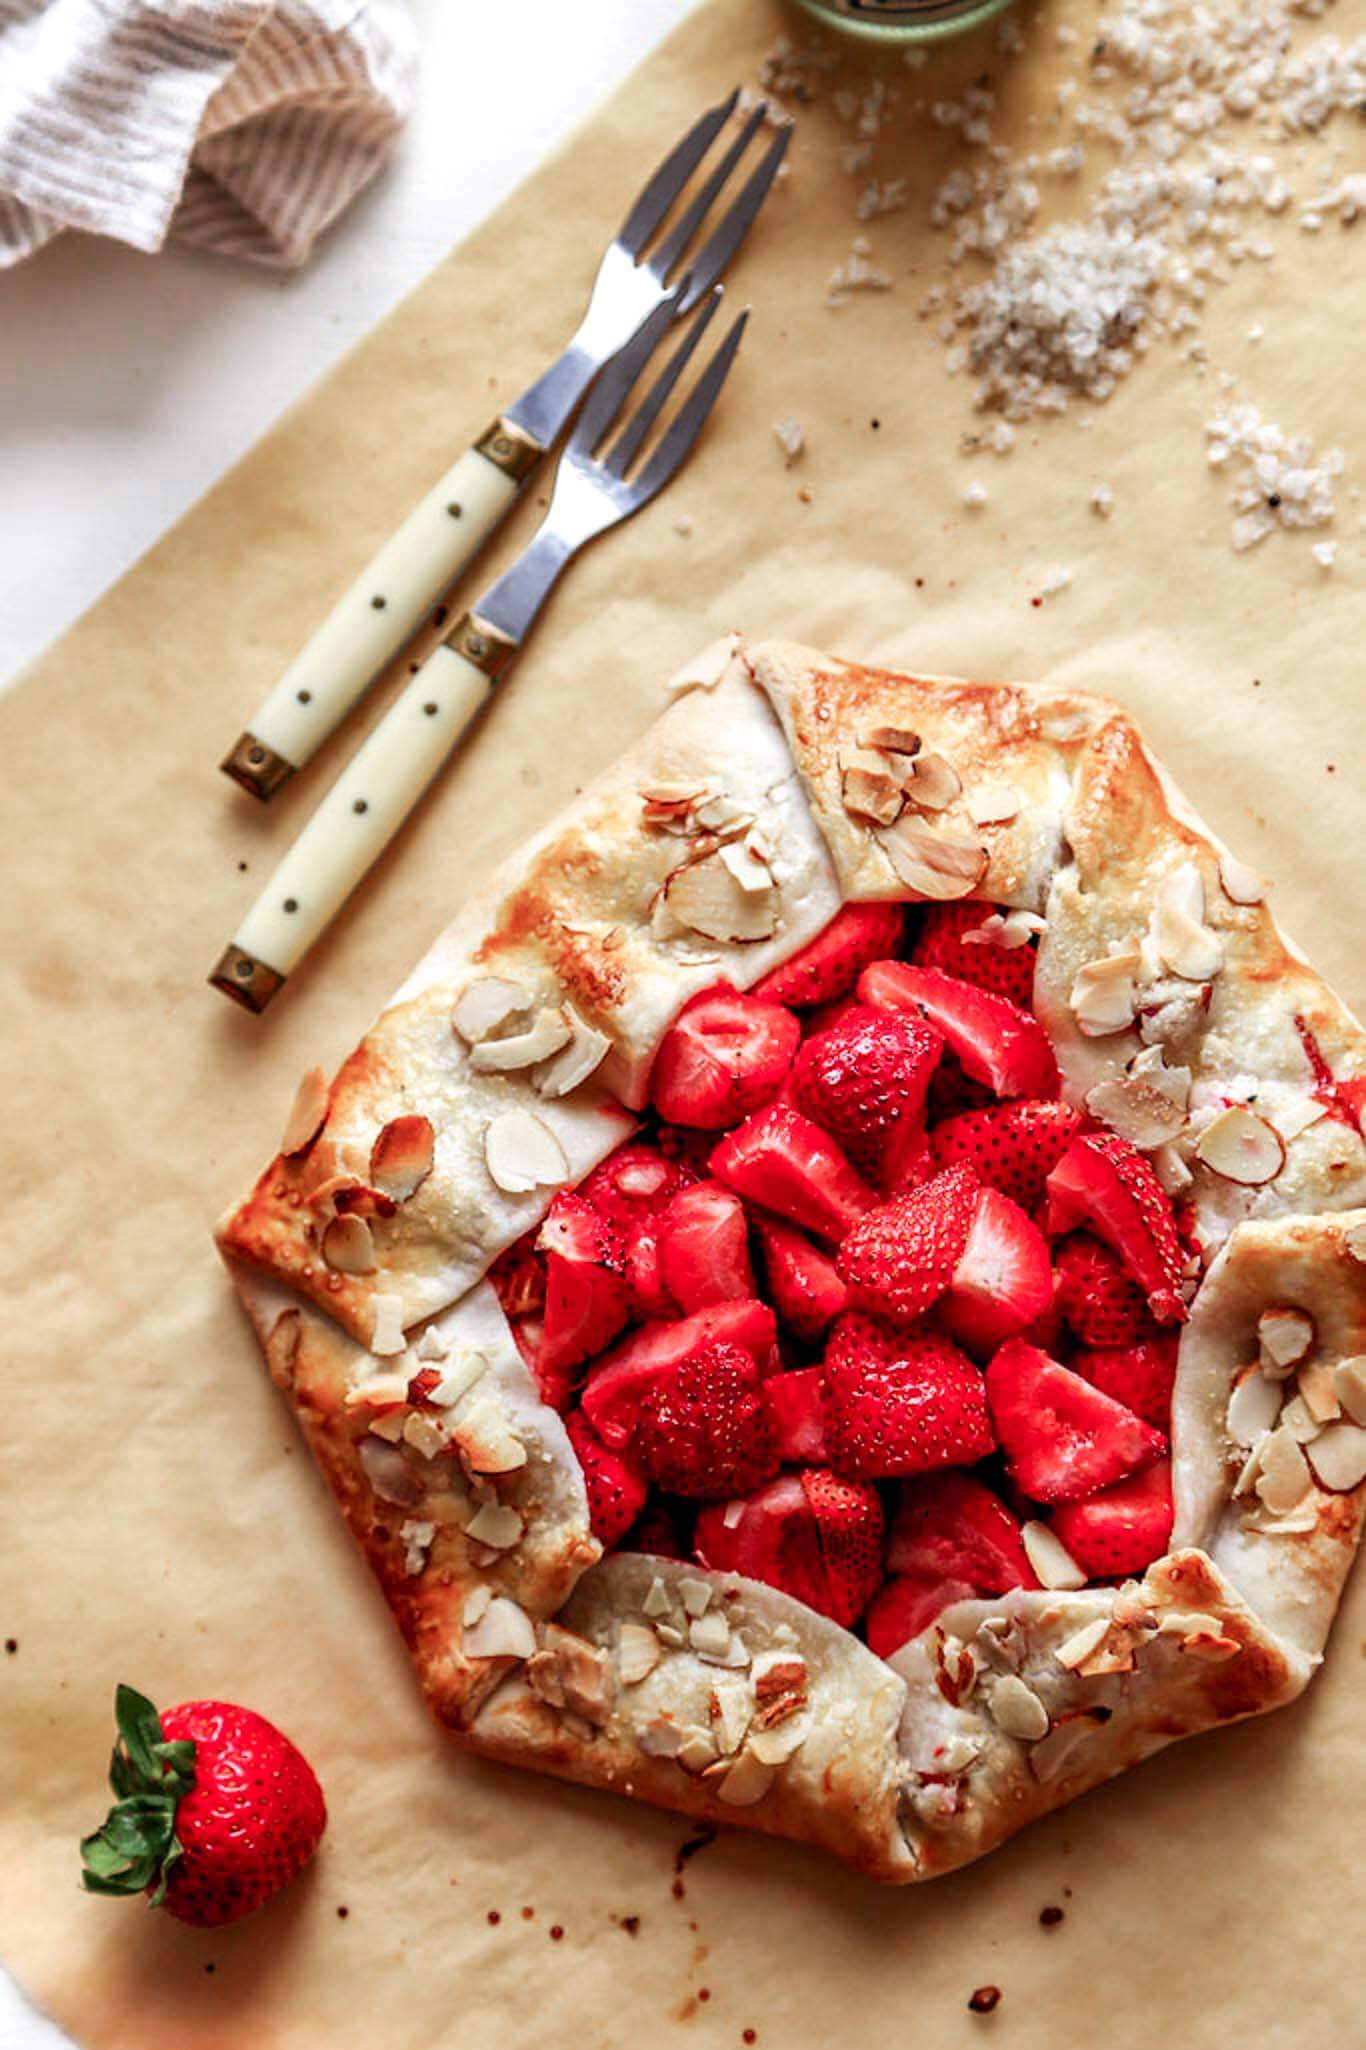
(129, 383)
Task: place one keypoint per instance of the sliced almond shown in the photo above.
(1171, 1170)
(417, 1539)
(458, 1377)
(695, 1595)
(496, 1525)
(379, 1391)
(748, 1780)
(749, 869)
(709, 1635)
(476, 1602)
(657, 1600)
(1103, 997)
(697, 1751)
(1240, 884)
(1285, 1336)
(432, 1345)
(1144, 1115)
(1171, 1012)
(1338, 1457)
(1349, 1383)
(897, 740)
(307, 1114)
(1051, 1757)
(1242, 1147)
(775, 1747)
(638, 1653)
(503, 1631)
(1016, 1708)
(722, 813)
(483, 1006)
(485, 1443)
(1354, 1242)
(571, 1068)
(1253, 1406)
(401, 1157)
(929, 863)
(550, 1032)
(704, 897)
(1052, 1563)
(348, 1247)
(389, 1473)
(522, 1153)
(935, 783)
(1210, 1644)
(1318, 1391)
(390, 1425)
(993, 804)
(1297, 1418)
(386, 1325)
(1008, 929)
(1284, 1478)
(661, 1738)
(424, 1435)
(870, 792)
(1185, 948)
(1079, 1646)
(1183, 890)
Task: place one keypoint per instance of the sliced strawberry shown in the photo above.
(1062, 1438)
(802, 1284)
(704, 1248)
(615, 1386)
(997, 1042)
(815, 1536)
(901, 1258)
(1122, 1530)
(799, 1413)
(1103, 1182)
(864, 1082)
(1096, 1299)
(950, 1526)
(615, 1483)
(656, 1532)
(1003, 1280)
(831, 964)
(1011, 1146)
(723, 1056)
(896, 1404)
(940, 943)
(906, 1605)
(634, 1183)
(706, 1430)
(783, 1162)
(518, 1279)
(650, 1299)
(587, 1300)
(1140, 1376)
(952, 1092)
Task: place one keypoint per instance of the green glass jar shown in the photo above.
(903, 21)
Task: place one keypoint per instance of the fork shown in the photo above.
(388, 774)
(394, 592)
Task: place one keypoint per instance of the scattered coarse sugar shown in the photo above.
(1280, 480)
(858, 273)
(1054, 582)
(975, 497)
(790, 439)
(1102, 501)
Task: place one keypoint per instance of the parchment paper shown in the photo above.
(162, 1521)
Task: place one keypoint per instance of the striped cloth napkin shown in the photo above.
(243, 125)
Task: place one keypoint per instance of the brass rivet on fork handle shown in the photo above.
(246, 980)
(509, 449)
(258, 769)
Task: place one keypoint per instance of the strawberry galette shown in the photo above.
(832, 1298)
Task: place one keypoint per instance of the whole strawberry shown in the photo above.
(216, 1811)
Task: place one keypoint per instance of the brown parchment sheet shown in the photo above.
(162, 1521)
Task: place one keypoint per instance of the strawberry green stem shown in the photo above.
(136, 1846)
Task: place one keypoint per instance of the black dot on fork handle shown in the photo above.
(455, 510)
(291, 903)
(360, 805)
(431, 710)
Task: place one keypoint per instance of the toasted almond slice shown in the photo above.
(696, 1595)
(496, 1525)
(348, 1247)
(776, 1746)
(1318, 1391)
(485, 1443)
(705, 671)
(307, 1114)
(1011, 929)
(723, 814)
(522, 1153)
(748, 1780)
(1297, 1418)
(935, 784)
(1338, 1457)
(657, 1600)
(1354, 1242)
(671, 796)
(1284, 1479)
(546, 1036)
(483, 1006)
(1185, 947)
(425, 1436)
(1207, 1644)
(670, 1634)
(1103, 997)
(1242, 1147)
(1016, 1708)
(386, 1325)
(661, 1738)
(638, 1653)
(929, 863)
(432, 1345)
(1251, 1467)
(476, 1602)
(1144, 1115)
(571, 1068)
(709, 1635)
(1296, 1116)
(1349, 1383)
(1150, 1065)
(458, 1379)
(870, 792)
(1184, 891)
(1285, 1336)
(389, 1473)
(1240, 884)
(401, 1157)
(993, 804)
(897, 740)
(1079, 1646)
(749, 869)
(391, 1425)
(703, 896)
(1171, 1170)
(503, 1631)
(378, 1391)
(1053, 1565)
(1253, 1406)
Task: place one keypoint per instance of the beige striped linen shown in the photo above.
(242, 125)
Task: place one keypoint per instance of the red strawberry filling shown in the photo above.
(865, 1297)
